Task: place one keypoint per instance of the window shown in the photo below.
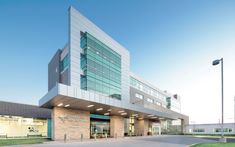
(17, 126)
(64, 63)
(225, 130)
(158, 103)
(149, 100)
(198, 130)
(163, 105)
(168, 100)
(146, 89)
(137, 95)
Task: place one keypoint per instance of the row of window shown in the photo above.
(98, 46)
(102, 78)
(198, 130)
(108, 75)
(102, 47)
(149, 100)
(146, 89)
(96, 56)
(137, 95)
(107, 70)
(225, 130)
(20, 127)
(97, 53)
(214, 130)
(140, 96)
(101, 66)
(89, 83)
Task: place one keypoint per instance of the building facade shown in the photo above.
(24, 121)
(93, 93)
(229, 128)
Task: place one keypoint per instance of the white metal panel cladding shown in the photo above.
(78, 23)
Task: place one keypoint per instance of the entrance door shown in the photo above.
(100, 126)
(156, 129)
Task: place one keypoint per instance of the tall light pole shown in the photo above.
(234, 112)
(216, 62)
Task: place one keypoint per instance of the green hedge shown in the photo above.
(219, 144)
(5, 142)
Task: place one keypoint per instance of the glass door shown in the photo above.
(156, 129)
(100, 129)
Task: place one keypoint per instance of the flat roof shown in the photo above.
(24, 110)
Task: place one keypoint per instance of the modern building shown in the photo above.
(229, 128)
(93, 93)
(21, 120)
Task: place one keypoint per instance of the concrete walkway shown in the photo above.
(151, 141)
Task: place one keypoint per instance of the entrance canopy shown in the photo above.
(75, 98)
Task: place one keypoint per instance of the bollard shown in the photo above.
(106, 136)
(116, 135)
(65, 138)
(95, 136)
(82, 137)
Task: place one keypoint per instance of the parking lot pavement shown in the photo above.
(151, 141)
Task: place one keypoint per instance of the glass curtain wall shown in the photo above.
(20, 127)
(171, 127)
(101, 67)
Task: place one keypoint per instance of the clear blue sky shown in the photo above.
(171, 42)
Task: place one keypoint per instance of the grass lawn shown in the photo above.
(231, 144)
(5, 142)
(214, 135)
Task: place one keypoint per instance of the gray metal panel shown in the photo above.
(133, 99)
(78, 23)
(54, 70)
(24, 110)
(155, 107)
(64, 77)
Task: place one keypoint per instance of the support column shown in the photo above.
(184, 123)
(141, 127)
(71, 122)
(117, 126)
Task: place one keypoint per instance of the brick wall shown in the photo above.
(71, 122)
(117, 126)
(141, 127)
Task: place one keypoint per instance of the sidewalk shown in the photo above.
(102, 139)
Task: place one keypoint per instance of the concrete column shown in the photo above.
(184, 123)
(71, 122)
(141, 127)
(117, 126)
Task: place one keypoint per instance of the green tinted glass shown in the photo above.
(64, 63)
(101, 66)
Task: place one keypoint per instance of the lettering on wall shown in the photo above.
(73, 118)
